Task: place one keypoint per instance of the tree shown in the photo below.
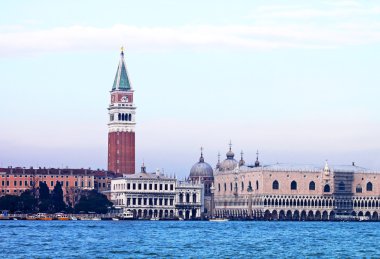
(58, 204)
(44, 204)
(10, 202)
(93, 201)
(43, 190)
(28, 203)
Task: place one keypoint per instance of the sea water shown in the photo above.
(188, 239)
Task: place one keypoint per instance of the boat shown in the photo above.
(219, 220)
(85, 218)
(126, 215)
(115, 219)
(73, 218)
(96, 218)
(154, 218)
(61, 216)
(31, 217)
(43, 216)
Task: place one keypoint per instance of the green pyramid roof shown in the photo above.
(121, 81)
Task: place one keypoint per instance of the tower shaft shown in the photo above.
(121, 125)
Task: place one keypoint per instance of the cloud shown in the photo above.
(273, 26)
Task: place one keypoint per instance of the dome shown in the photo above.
(230, 163)
(201, 169)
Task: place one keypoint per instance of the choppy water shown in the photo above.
(135, 239)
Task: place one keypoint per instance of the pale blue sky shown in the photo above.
(297, 80)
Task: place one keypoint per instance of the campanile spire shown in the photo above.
(121, 125)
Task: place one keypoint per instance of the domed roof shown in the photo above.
(230, 163)
(201, 169)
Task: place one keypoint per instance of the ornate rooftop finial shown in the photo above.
(257, 162)
(201, 159)
(143, 168)
(326, 169)
(230, 154)
(122, 50)
(218, 164)
(241, 162)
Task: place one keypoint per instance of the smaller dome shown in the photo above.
(228, 165)
(230, 154)
(201, 169)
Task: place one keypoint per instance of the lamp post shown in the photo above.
(249, 190)
(212, 190)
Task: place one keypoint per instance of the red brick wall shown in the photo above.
(122, 162)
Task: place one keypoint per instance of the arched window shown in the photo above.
(194, 198)
(326, 188)
(312, 186)
(130, 117)
(122, 117)
(236, 187)
(293, 185)
(218, 187)
(187, 197)
(242, 186)
(359, 188)
(257, 185)
(119, 117)
(369, 187)
(275, 185)
(231, 187)
(341, 186)
(225, 187)
(180, 198)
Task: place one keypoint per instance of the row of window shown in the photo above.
(326, 188)
(45, 176)
(121, 117)
(144, 186)
(187, 198)
(148, 201)
(52, 183)
(294, 186)
(249, 188)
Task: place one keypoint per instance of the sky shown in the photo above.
(297, 80)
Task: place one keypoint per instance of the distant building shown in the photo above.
(295, 192)
(14, 181)
(121, 125)
(202, 173)
(154, 195)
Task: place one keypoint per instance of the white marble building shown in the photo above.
(154, 195)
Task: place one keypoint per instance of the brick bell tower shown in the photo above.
(121, 126)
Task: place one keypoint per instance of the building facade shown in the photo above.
(288, 192)
(14, 181)
(121, 126)
(154, 195)
(202, 173)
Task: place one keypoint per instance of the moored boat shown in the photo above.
(61, 216)
(127, 215)
(219, 220)
(43, 216)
